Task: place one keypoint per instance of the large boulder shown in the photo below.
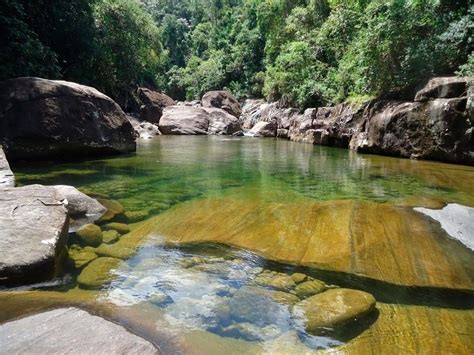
(46, 118)
(33, 234)
(70, 331)
(187, 120)
(184, 120)
(443, 88)
(153, 103)
(439, 130)
(223, 100)
(264, 129)
(7, 179)
(333, 308)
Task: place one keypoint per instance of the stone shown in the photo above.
(136, 216)
(114, 208)
(98, 273)
(42, 118)
(81, 208)
(184, 120)
(354, 237)
(7, 179)
(456, 220)
(70, 331)
(282, 133)
(251, 332)
(259, 306)
(110, 236)
(115, 251)
(223, 100)
(159, 298)
(298, 277)
(33, 234)
(310, 288)
(153, 103)
(144, 130)
(90, 234)
(443, 88)
(264, 129)
(121, 228)
(222, 123)
(333, 308)
(279, 281)
(81, 257)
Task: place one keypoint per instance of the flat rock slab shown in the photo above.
(7, 179)
(33, 233)
(70, 331)
(456, 220)
(374, 240)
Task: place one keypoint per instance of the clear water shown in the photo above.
(220, 293)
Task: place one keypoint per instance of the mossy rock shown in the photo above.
(90, 234)
(110, 237)
(81, 257)
(333, 308)
(136, 216)
(98, 272)
(310, 288)
(121, 228)
(115, 251)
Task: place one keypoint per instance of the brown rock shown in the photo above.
(223, 100)
(153, 104)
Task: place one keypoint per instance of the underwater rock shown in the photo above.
(115, 250)
(90, 234)
(345, 236)
(113, 207)
(333, 308)
(310, 288)
(121, 228)
(98, 272)
(7, 179)
(298, 277)
(136, 216)
(33, 234)
(251, 332)
(42, 118)
(110, 236)
(278, 281)
(70, 331)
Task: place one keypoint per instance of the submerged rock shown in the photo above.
(333, 308)
(90, 234)
(42, 118)
(310, 288)
(251, 332)
(223, 100)
(70, 331)
(114, 208)
(121, 228)
(81, 257)
(33, 234)
(98, 272)
(110, 237)
(7, 179)
(277, 281)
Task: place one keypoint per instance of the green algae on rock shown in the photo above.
(90, 234)
(310, 288)
(122, 228)
(98, 272)
(333, 308)
(81, 257)
(110, 236)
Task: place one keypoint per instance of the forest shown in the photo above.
(303, 52)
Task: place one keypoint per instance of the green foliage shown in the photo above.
(303, 52)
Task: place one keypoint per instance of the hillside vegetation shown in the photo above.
(305, 53)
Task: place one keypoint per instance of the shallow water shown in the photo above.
(182, 293)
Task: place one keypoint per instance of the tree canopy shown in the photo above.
(304, 52)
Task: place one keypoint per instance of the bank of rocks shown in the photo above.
(437, 125)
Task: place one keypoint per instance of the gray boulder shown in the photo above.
(46, 118)
(222, 123)
(264, 129)
(223, 100)
(70, 331)
(33, 234)
(184, 120)
(7, 179)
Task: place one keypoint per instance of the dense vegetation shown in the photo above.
(304, 52)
